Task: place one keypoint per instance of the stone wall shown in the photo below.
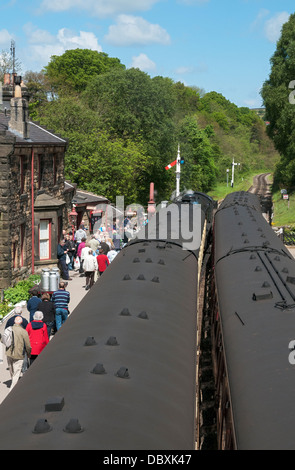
(16, 193)
(6, 150)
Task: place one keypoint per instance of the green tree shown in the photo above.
(280, 111)
(70, 72)
(199, 170)
(132, 105)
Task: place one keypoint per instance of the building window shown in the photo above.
(45, 239)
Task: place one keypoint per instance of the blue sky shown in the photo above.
(216, 45)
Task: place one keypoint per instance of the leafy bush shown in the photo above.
(4, 309)
(20, 291)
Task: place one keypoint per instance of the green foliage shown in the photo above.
(4, 308)
(71, 71)
(123, 128)
(20, 291)
(199, 171)
(280, 112)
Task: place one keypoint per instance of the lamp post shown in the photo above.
(73, 218)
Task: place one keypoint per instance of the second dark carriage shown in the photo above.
(253, 329)
(121, 372)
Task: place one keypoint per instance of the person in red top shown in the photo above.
(102, 261)
(38, 335)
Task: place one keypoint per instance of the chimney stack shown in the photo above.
(19, 113)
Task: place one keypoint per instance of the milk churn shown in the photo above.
(53, 281)
(56, 270)
(45, 279)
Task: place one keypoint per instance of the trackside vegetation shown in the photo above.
(123, 127)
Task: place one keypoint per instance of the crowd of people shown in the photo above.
(90, 256)
(28, 338)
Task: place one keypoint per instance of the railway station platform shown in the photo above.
(77, 292)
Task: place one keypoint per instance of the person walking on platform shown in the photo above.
(33, 303)
(47, 307)
(37, 331)
(90, 266)
(102, 261)
(61, 300)
(62, 255)
(18, 311)
(15, 354)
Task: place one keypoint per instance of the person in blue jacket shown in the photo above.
(33, 302)
(61, 255)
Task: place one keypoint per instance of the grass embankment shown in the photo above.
(284, 210)
(240, 184)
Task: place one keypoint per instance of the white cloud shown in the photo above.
(42, 45)
(5, 37)
(273, 26)
(143, 63)
(100, 8)
(134, 30)
(85, 40)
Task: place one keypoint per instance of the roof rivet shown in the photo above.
(148, 260)
(112, 341)
(42, 426)
(277, 258)
(155, 279)
(126, 277)
(73, 426)
(125, 312)
(258, 268)
(285, 270)
(90, 341)
(141, 277)
(252, 257)
(98, 369)
(123, 373)
(161, 261)
(265, 284)
(136, 260)
(143, 315)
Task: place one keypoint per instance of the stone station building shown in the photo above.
(34, 202)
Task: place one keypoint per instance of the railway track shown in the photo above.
(261, 187)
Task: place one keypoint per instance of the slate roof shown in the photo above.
(37, 134)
